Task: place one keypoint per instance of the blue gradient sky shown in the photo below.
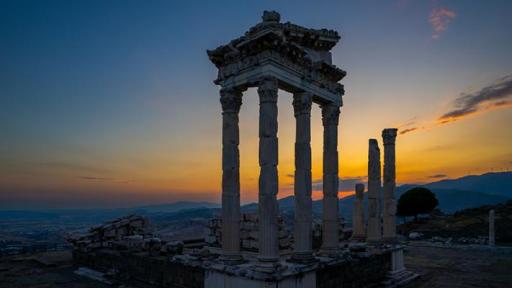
(111, 103)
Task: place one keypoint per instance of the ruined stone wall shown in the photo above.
(362, 272)
(248, 233)
(141, 268)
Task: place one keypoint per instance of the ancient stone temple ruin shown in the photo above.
(256, 250)
(273, 56)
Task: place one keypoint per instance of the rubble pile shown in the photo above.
(248, 233)
(131, 232)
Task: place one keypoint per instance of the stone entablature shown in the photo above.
(296, 56)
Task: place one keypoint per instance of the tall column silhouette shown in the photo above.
(358, 227)
(373, 233)
(268, 208)
(231, 101)
(389, 185)
(330, 230)
(302, 184)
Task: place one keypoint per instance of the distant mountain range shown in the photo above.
(175, 207)
(453, 194)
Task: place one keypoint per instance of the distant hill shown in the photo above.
(499, 183)
(174, 207)
(452, 200)
(453, 194)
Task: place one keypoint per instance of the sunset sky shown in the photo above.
(112, 103)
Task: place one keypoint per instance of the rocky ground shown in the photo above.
(42, 270)
(465, 224)
(461, 266)
(439, 267)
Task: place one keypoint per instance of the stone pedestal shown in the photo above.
(389, 185)
(215, 279)
(374, 186)
(397, 261)
(231, 101)
(330, 231)
(268, 208)
(492, 236)
(358, 227)
(302, 185)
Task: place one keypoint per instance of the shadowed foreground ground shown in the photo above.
(456, 267)
(438, 267)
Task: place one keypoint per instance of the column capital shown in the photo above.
(231, 100)
(302, 103)
(389, 136)
(330, 114)
(267, 90)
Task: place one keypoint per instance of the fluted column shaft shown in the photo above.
(389, 185)
(358, 229)
(330, 229)
(302, 184)
(231, 101)
(374, 188)
(268, 208)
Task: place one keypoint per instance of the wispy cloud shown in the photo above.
(92, 178)
(61, 165)
(496, 95)
(439, 19)
(438, 176)
(407, 130)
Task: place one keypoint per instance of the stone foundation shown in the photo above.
(135, 268)
(363, 269)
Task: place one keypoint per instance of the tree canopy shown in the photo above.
(416, 201)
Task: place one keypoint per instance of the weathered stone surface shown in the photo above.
(330, 234)
(389, 186)
(358, 227)
(288, 52)
(231, 100)
(302, 184)
(268, 208)
(249, 233)
(125, 232)
(373, 233)
(492, 233)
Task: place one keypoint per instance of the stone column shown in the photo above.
(389, 185)
(330, 229)
(358, 229)
(231, 101)
(268, 208)
(492, 237)
(302, 185)
(374, 231)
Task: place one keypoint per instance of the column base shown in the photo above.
(358, 238)
(268, 264)
(329, 251)
(302, 258)
(232, 258)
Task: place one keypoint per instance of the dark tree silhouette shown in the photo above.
(416, 201)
